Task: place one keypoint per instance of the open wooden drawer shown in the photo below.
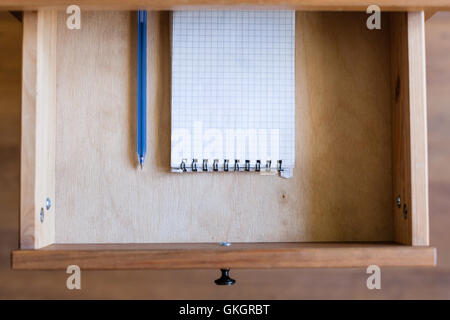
(359, 194)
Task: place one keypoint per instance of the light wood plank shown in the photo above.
(342, 185)
(309, 5)
(418, 127)
(204, 256)
(38, 128)
(409, 128)
(401, 153)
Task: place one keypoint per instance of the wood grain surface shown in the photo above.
(342, 186)
(418, 129)
(397, 283)
(38, 129)
(409, 129)
(311, 5)
(213, 256)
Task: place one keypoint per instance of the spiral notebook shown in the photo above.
(233, 91)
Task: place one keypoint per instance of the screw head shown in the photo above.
(48, 204)
(225, 244)
(41, 215)
(399, 202)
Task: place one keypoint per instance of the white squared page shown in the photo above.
(233, 87)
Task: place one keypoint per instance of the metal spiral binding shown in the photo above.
(183, 165)
(226, 166)
(258, 166)
(247, 165)
(279, 166)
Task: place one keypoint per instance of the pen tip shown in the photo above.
(141, 165)
(141, 162)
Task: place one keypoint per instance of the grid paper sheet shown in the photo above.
(233, 87)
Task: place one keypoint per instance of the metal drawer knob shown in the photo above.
(225, 279)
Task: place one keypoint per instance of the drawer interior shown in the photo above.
(342, 184)
(358, 130)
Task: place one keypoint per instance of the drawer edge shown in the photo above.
(203, 256)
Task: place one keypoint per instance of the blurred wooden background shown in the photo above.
(397, 283)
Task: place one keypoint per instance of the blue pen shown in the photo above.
(142, 87)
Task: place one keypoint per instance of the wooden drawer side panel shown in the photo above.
(38, 129)
(409, 123)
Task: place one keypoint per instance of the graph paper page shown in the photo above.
(233, 87)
